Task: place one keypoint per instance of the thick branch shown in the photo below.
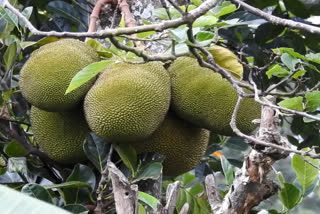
(125, 194)
(278, 21)
(190, 17)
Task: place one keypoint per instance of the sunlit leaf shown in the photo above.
(313, 100)
(148, 199)
(40, 42)
(87, 74)
(289, 61)
(128, 155)
(203, 21)
(277, 71)
(290, 196)
(9, 55)
(306, 173)
(295, 103)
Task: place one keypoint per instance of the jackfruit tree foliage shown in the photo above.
(272, 55)
(46, 75)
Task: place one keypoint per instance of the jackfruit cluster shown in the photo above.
(128, 104)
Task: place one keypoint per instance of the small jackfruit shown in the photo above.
(205, 99)
(46, 75)
(182, 143)
(60, 134)
(128, 101)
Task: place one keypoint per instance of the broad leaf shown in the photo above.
(69, 184)
(226, 59)
(289, 61)
(151, 170)
(223, 9)
(203, 21)
(37, 191)
(306, 173)
(277, 71)
(313, 100)
(149, 200)
(290, 196)
(10, 55)
(295, 103)
(22, 203)
(227, 170)
(97, 46)
(128, 155)
(196, 204)
(97, 150)
(87, 74)
(14, 149)
(40, 42)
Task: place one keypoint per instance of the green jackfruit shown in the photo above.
(128, 101)
(46, 76)
(60, 134)
(182, 143)
(205, 99)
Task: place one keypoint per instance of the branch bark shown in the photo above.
(125, 194)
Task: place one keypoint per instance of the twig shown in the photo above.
(171, 199)
(278, 21)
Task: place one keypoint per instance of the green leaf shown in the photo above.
(87, 74)
(196, 2)
(40, 42)
(97, 151)
(80, 173)
(295, 103)
(67, 11)
(76, 208)
(196, 204)
(160, 13)
(145, 34)
(99, 48)
(225, 8)
(70, 184)
(141, 209)
(179, 34)
(306, 173)
(37, 191)
(277, 71)
(186, 178)
(289, 61)
(27, 13)
(14, 149)
(22, 203)
(227, 170)
(203, 21)
(149, 171)
(128, 155)
(281, 179)
(298, 74)
(10, 55)
(149, 200)
(204, 35)
(313, 100)
(290, 196)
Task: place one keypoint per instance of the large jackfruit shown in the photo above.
(182, 143)
(205, 99)
(46, 75)
(128, 101)
(60, 134)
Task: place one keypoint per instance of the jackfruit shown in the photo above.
(182, 143)
(128, 101)
(60, 134)
(46, 75)
(205, 99)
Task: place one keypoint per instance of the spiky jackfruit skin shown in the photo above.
(46, 75)
(205, 99)
(128, 101)
(60, 134)
(182, 143)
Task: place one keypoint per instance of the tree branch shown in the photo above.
(190, 17)
(276, 20)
